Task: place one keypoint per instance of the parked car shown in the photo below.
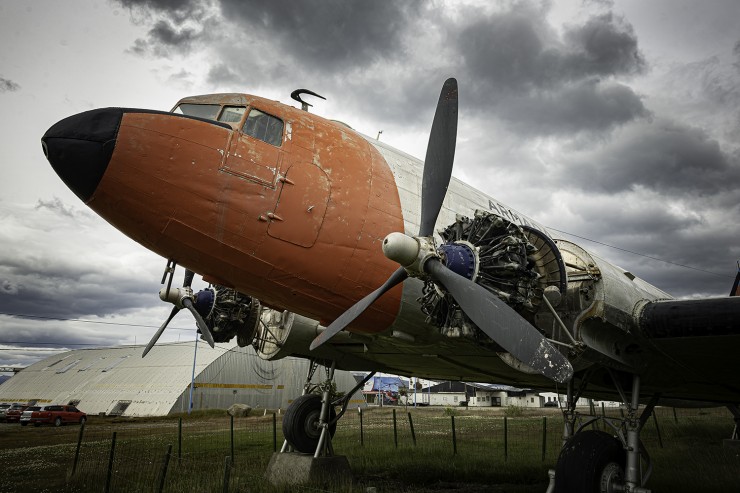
(3, 409)
(26, 414)
(57, 415)
(13, 414)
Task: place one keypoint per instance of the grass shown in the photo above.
(40, 459)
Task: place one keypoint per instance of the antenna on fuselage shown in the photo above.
(296, 95)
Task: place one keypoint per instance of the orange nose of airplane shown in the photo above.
(80, 147)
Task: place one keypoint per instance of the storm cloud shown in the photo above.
(8, 85)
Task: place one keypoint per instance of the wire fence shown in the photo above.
(223, 453)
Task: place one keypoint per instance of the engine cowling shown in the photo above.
(228, 314)
(515, 263)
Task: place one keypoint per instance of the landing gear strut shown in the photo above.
(311, 420)
(593, 461)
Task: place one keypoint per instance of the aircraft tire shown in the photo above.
(300, 423)
(590, 462)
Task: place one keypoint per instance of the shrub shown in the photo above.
(514, 411)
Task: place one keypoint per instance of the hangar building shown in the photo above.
(118, 381)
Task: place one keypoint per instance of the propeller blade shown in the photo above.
(188, 279)
(502, 324)
(439, 158)
(356, 310)
(157, 334)
(187, 303)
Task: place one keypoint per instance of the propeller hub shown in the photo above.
(410, 252)
(401, 248)
(175, 295)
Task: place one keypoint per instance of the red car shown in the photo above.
(13, 414)
(57, 415)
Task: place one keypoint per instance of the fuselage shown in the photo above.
(292, 209)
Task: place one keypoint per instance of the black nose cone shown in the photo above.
(79, 148)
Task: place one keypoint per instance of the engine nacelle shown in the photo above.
(282, 334)
(229, 313)
(518, 264)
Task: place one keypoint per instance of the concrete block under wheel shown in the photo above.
(296, 468)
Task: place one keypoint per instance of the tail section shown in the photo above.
(736, 287)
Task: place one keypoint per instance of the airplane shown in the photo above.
(320, 242)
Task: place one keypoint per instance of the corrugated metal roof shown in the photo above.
(99, 378)
(118, 380)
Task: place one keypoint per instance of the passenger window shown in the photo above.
(232, 114)
(264, 127)
(207, 111)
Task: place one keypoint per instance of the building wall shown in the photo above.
(485, 398)
(240, 376)
(526, 400)
(119, 381)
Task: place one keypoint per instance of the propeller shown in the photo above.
(418, 257)
(181, 298)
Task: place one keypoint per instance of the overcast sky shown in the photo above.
(617, 121)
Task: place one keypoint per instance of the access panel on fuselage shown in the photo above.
(301, 206)
(252, 159)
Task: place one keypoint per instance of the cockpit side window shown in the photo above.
(207, 111)
(232, 114)
(264, 127)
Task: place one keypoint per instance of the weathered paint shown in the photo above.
(300, 225)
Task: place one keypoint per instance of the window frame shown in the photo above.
(269, 115)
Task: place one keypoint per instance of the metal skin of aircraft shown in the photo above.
(322, 243)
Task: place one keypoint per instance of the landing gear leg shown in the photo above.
(311, 420)
(309, 423)
(593, 461)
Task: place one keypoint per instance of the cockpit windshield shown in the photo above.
(207, 111)
(226, 114)
(258, 124)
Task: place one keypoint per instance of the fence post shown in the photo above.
(506, 438)
(675, 417)
(227, 472)
(274, 432)
(603, 411)
(395, 429)
(232, 435)
(544, 437)
(362, 435)
(77, 452)
(110, 463)
(454, 436)
(179, 441)
(413, 434)
(166, 463)
(657, 429)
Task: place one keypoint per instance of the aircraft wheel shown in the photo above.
(301, 420)
(591, 462)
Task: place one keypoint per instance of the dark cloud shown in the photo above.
(397, 53)
(329, 33)
(664, 156)
(543, 83)
(66, 271)
(519, 51)
(605, 45)
(57, 205)
(588, 106)
(7, 85)
(178, 10)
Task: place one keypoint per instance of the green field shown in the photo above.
(490, 452)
